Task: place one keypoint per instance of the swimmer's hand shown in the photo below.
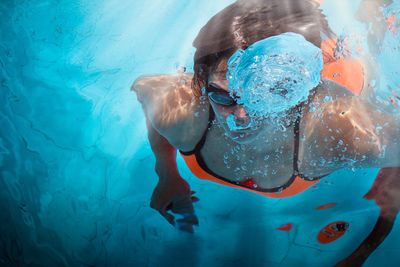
(175, 195)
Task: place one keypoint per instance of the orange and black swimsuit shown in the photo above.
(296, 184)
(344, 71)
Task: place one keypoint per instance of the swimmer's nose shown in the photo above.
(241, 117)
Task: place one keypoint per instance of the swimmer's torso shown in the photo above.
(183, 119)
(268, 160)
(263, 160)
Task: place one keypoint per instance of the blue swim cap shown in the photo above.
(274, 74)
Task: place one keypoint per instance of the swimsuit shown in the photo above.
(346, 72)
(296, 184)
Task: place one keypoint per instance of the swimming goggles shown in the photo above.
(221, 97)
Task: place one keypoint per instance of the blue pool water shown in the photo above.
(77, 171)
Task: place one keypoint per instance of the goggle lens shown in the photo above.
(222, 99)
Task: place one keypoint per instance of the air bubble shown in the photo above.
(282, 78)
(327, 99)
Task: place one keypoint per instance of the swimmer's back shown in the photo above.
(172, 108)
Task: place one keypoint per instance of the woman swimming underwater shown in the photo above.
(242, 121)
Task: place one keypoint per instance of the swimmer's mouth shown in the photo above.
(246, 129)
(243, 130)
(243, 134)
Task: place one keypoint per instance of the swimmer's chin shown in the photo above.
(243, 137)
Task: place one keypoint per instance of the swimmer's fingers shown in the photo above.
(182, 204)
(168, 216)
(186, 223)
(184, 226)
(195, 199)
(189, 218)
(163, 210)
(184, 207)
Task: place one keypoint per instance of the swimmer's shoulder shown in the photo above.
(340, 127)
(325, 110)
(173, 109)
(329, 91)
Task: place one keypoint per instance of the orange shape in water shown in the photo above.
(390, 22)
(326, 206)
(346, 72)
(391, 19)
(286, 227)
(332, 232)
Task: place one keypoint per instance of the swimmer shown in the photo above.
(223, 138)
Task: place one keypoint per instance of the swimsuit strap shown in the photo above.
(296, 131)
(200, 144)
(299, 108)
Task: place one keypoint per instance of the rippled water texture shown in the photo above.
(77, 171)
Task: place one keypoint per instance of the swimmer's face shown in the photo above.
(234, 119)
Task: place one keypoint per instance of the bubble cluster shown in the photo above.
(274, 74)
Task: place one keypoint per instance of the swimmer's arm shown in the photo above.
(355, 133)
(165, 154)
(153, 94)
(173, 110)
(172, 192)
(385, 132)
